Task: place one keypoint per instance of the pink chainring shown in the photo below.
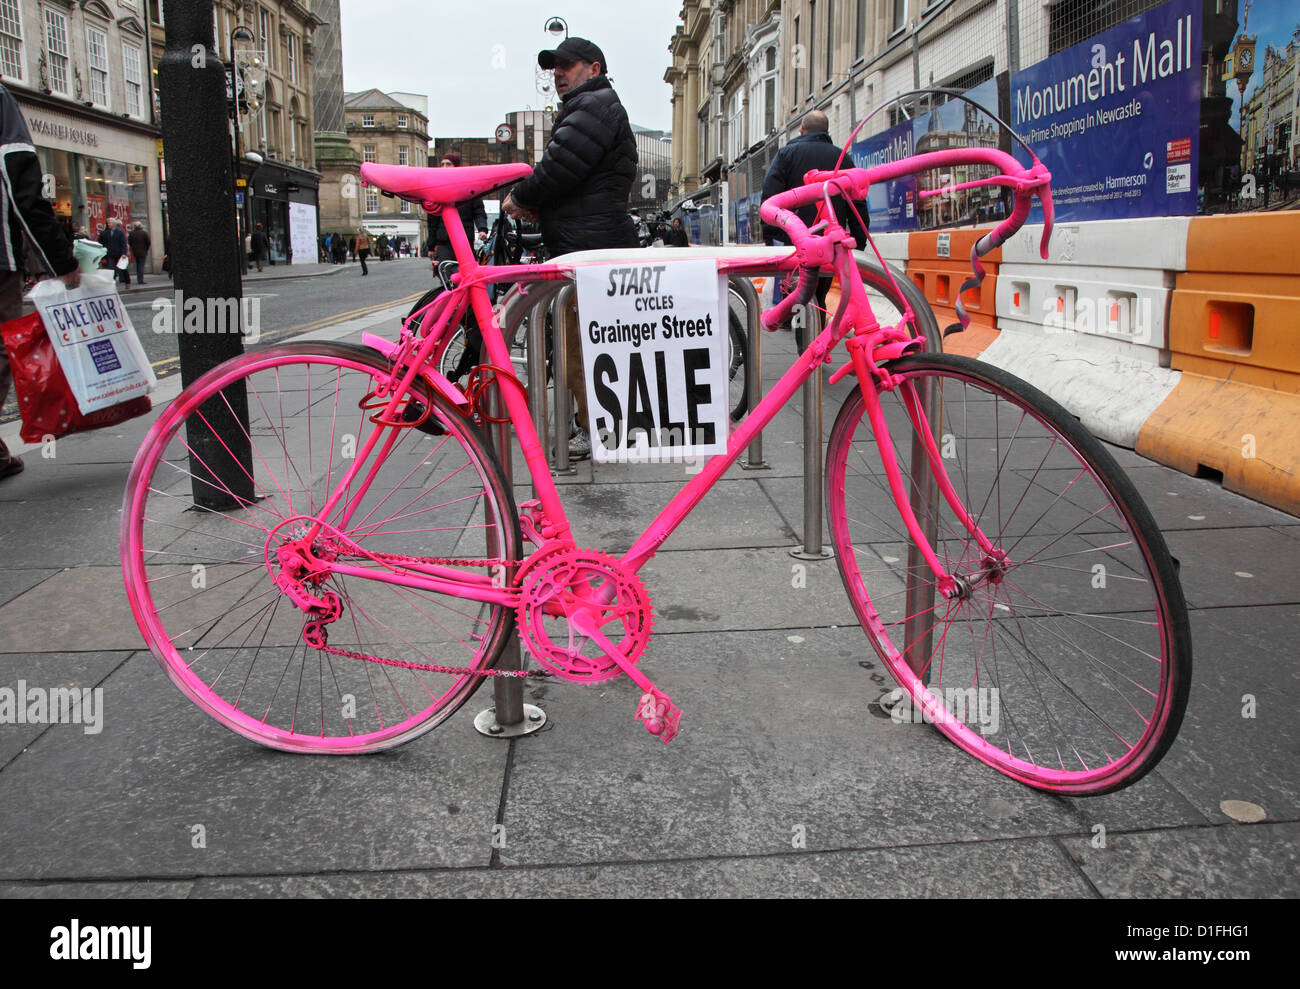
(555, 585)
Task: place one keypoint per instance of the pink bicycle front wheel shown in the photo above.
(204, 517)
(1064, 660)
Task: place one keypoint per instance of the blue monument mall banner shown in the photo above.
(1117, 117)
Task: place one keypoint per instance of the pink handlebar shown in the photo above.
(854, 184)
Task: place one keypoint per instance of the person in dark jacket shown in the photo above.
(25, 212)
(117, 246)
(812, 149)
(579, 190)
(259, 244)
(138, 241)
(677, 236)
(473, 216)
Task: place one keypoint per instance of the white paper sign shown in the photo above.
(654, 348)
(302, 233)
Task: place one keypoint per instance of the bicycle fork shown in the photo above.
(869, 374)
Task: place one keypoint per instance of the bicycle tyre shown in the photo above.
(204, 594)
(737, 357)
(1078, 644)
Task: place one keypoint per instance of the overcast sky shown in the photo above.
(487, 63)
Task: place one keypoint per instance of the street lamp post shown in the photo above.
(246, 83)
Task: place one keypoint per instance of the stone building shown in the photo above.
(80, 73)
(385, 128)
(280, 192)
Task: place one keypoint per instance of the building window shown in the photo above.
(795, 60)
(900, 16)
(830, 41)
(155, 12)
(401, 120)
(134, 76)
(372, 199)
(97, 48)
(861, 47)
(11, 39)
(264, 32)
(367, 120)
(293, 58)
(406, 207)
(769, 105)
(403, 155)
(56, 46)
(770, 65)
(812, 46)
(368, 152)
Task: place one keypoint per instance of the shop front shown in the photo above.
(284, 201)
(95, 169)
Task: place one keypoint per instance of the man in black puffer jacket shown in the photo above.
(579, 190)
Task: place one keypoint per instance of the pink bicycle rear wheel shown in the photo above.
(1065, 661)
(202, 580)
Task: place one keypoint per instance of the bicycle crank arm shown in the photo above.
(656, 709)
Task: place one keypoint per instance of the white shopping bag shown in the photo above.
(98, 349)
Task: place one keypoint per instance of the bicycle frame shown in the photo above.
(854, 316)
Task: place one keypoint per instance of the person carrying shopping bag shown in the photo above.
(25, 213)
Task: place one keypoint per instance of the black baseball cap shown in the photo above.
(573, 50)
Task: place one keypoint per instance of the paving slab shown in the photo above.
(611, 516)
(15, 582)
(53, 614)
(62, 533)
(162, 778)
(48, 672)
(747, 589)
(1231, 860)
(1180, 501)
(1002, 869)
(778, 741)
(97, 891)
(1225, 567)
(1237, 741)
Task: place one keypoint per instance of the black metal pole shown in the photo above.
(192, 89)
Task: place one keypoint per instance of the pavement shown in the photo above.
(270, 273)
(783, 781)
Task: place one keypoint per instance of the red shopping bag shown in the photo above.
(45, 402)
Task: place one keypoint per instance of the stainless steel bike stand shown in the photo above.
(509, 716)
(753, 366)
(563, 402)
(812, 455)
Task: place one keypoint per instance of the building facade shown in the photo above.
(282, 190)
(745, 72)
(80, 73)
(384, 128)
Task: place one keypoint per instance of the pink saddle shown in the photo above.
(442, 186)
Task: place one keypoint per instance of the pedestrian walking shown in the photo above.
(259, 245)
(363, 251)
(139, 243)
(24, 208)
(118, 248)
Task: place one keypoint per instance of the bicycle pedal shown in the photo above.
(660, 715)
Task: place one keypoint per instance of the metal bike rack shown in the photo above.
(509, 716)
(812, 452)
(560, 374)
(753, 364)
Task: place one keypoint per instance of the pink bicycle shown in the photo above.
(360, 562)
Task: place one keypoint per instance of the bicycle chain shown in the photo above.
(323, 631)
